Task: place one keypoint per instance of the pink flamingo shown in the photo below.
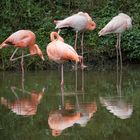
(79, 22)
(23, 39)
(60, 120)
(60, 52)
(26, 106)
(117, 25)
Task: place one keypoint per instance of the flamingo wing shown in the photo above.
(116, 25)
(67, 52)
(77, 22)
(59, 51)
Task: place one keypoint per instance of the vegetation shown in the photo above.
(38, 16)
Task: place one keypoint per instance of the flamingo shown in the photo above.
(79, 22)
(23, 39)
(60, 120)
(117, 106)
(59, 52)
(87, 111)
(117, 25)
(25, 106)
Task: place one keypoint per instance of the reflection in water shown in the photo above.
(86, 111)
(59, 120)
(82, 81)
(102, 125)
(118, 105)
(26, 106)
(70, 114)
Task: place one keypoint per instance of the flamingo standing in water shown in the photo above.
(117, 25)
(79, 22)
(60, 52)
(23, 39)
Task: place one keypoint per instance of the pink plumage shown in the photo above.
(23, 39)
(59, 52)
(79, 22)
(118, 24)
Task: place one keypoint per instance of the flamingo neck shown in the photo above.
(56, 36)
(36, 50)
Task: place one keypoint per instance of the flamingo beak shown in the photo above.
(42, 57)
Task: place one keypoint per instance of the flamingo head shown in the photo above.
(38, 51)
(56, 132)
(91, 25)
(3, 45)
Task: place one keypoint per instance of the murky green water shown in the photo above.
(98, 107)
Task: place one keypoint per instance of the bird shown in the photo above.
(118, 106)
(117, 25)
(25, 106)
(78, 22)
(23, 39)
(59, 52)
(59, 120)
(86, 110)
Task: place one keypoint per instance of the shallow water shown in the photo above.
(95, 106)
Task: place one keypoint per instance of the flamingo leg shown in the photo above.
(62, 76)
(75, 46)
(117, 49)
(75, 80)
(117, 62)
(82, 80)
(13, 90)
(120, 75)
(62, 97)
(75, 42)
(82, 50)
(120, 53)
(82, 44)
(13, 59)
(22, 68)
(120, 83)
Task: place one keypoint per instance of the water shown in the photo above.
(98, 107)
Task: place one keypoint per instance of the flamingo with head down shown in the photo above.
(117, 25)
(79, 22)
(23, 39)
(59, 52)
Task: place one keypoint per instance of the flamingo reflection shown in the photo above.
(25, 106)
(69, 115)
(86, 111)
(59, 120)
(118, 105)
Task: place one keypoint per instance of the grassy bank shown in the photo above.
(38, 16)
